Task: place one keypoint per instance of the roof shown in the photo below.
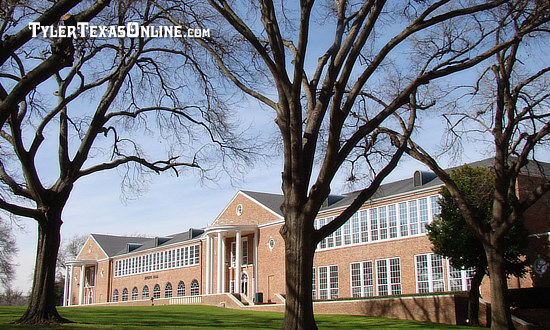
(111, 244)
(272, 201)
(118, 245)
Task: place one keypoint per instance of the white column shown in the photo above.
(220, 262)
(66, 285)
(208, 263)
(238, 261)
(81, 291)
(255, 256)
(223, 264)
(70, 286)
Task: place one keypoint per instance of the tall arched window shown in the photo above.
(145, 292)
(181, 289)
(125, 294)
(135, 293)
(168, 290)
(115, 295)
(156, 291)
(194, 288)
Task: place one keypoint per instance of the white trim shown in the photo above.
(272, 223)
(540, 234)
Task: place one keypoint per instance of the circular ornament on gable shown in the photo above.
(271, 243)
(239, 209)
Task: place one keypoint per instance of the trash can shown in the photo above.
(258, 298)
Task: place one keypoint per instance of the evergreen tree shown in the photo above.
(452, 237)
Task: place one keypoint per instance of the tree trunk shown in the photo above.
(501, 317)
(473, 297)
(41, 309)
(300, 249)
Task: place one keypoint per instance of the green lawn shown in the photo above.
(190, 317)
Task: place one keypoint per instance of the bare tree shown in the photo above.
(13, 15)
(331, 112)
(120, 99)
(8, 250)
(511, 114)
(68, 251)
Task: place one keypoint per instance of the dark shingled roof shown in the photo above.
(118, 245)
(113, 244)
(271, 201)
(167, 240)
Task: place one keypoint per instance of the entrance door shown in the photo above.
(244, 284)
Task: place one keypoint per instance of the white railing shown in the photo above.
(185, 300)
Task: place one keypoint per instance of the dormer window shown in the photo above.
(420, 178)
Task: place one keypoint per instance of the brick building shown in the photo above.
(381, 250)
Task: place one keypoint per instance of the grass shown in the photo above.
(206, 317)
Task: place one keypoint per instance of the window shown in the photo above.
(403, 220)
(436, 208)
(328, 282)
(460, 279)
(364, 227)
(115, 295)
(388, 276)
(156, 291)
(313, 286)
(423, 204)
(330, 238)
(197, 255)
(413, 217)
(338, 237)
(373, 225)
(392, 220)
(181, 289)
(168, 290)
(194, 288)
(429, 273)
(245, 251)
(145, 292)
(347, 229)
(125, 294)
(362, 284)
(383, 222)
(323, 243)
(333, 282)
(135, 293)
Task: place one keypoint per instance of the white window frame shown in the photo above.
(431, 280)
(332, 285)
(389, 284)
(363, 286)
(465, 278)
